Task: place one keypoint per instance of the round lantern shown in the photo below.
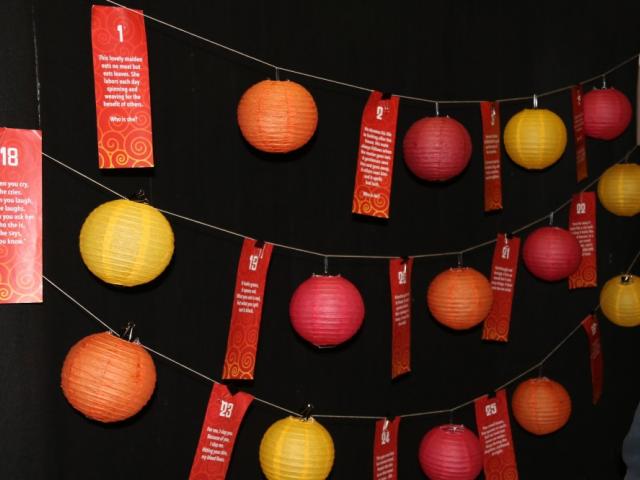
(620, 300)
(541, 406)
(450, 452)
(460, 298)
(326, 310)
(437, 148)
(619, 189)
(607, 113)
(277, 116)
(296, 449)
(126, 243)
(107, 378)
(552, 253)
(535, 138)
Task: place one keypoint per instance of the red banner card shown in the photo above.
(582, 223)
(400, 279)
(20, 216)
(372, 193)
(385, 450)
(121, 80)
(638, 105)
(494, 430)
(246, 313)
(219, 430)
(578, 132)
(592, 329)
(491, 154)
(503, 281)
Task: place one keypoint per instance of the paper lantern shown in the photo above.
(277, 116)
(541, 406)
(607, 113)
(450, 452)
(620, 300)
(460, 298)
(326, 310)
(296, 449)
(552, 253)
(619, 189)
(126, 243)
(107, 378)
(437, 148)
(535, 138)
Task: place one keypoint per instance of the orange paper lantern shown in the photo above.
(107, 378)
(277, 116)
(460, 298)
(541, 405)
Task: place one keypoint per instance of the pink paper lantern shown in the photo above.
(450, 452)
(326, 310)
(607, 113)
(437, 148)
(552, 253)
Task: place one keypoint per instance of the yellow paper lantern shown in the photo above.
(296, 449)
(619, 189)
(535, 138)
(620, 300)
(126, 243)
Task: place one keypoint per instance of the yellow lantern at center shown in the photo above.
(535, 138)
(126, 243)
(296, 449)
(619, 189)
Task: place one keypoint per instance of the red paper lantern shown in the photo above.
(552, 253)
(460, 298)
(326, 310)
(437, 148)
(107, 378)
(541, 405)
(607, 113)
(277, 116)
(450, 452)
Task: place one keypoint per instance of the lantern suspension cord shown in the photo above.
(349, 256)
(359, 87)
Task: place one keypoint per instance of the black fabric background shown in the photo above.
(438, 49)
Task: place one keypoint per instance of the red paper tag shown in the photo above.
(400, 279)
(578, 132)
(372, 193)
(582, 223)
(494, 429)
(385, 450)
(592, 329)
(121, 78)
(638, 104)
(246, 313)
(219, 430)
(491, 154)
(503, 280)
(20, 216)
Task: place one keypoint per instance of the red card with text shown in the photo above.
(372, 193)
(491, 154)
(582, 223)
(494, 430)
(246, 313)
(503, 281)
(592, 329)
(400, 279)
(121, 81)
(20, 216)
(219, 431)
(578, 132)
(385, 450)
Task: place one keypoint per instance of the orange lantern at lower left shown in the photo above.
(108, 379)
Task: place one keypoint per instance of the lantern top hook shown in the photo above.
(437, 105)
(535, 101)
(128, 332)
(307, 411)
(604, 82)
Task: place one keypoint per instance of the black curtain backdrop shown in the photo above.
(439, 49)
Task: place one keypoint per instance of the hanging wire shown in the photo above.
(359, 87)
(336, 255)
